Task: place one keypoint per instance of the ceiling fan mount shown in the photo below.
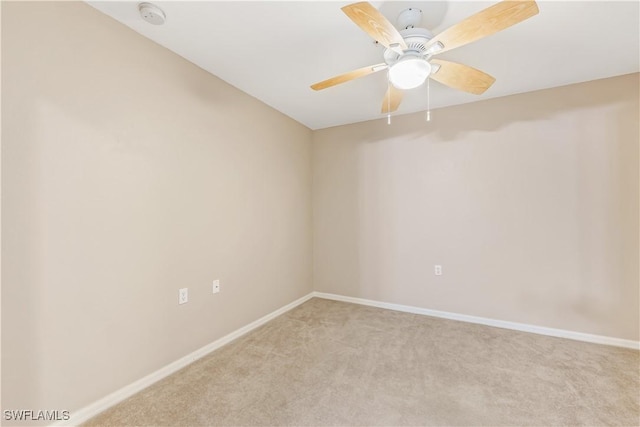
(409, 18)
(409, 52)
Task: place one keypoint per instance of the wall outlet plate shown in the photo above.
(437, 270)
(216, 286)
(183, 295)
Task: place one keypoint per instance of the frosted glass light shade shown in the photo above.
(409, 72)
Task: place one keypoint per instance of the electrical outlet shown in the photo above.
(183, 295)
(216, 286)
(437, 270)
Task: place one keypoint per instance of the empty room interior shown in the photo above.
(320, 213)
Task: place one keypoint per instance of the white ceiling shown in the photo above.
(273, 50)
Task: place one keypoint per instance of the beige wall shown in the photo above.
(128, 173)
(529, 202)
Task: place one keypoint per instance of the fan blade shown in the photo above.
(489, 21)
(351, 75)
(392, 99)
(371, 21)
(461, 77)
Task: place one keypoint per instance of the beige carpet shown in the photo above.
(333, 363)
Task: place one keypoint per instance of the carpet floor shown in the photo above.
(328, 363)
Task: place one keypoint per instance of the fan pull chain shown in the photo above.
(388, 100)
(428, 115)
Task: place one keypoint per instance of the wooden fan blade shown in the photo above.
(392, 99)
(461, 77)
(351, 75)
(489, 21)
(371, 21)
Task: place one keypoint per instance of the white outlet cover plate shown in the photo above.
(216, 286)
(437, 270)
(183, 295)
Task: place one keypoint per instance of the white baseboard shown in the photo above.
(84, 414)
(541, 330)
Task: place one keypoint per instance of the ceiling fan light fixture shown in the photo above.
(409, 72)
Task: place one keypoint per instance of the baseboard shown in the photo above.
(84, 414)
(541, 330)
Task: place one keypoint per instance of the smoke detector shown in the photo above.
(151, 13)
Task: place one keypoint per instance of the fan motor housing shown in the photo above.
(416, 40)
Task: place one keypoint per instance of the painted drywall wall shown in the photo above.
(128, 173)
(0, 207)
(529, 203)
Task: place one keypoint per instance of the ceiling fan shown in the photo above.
(409, 52)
